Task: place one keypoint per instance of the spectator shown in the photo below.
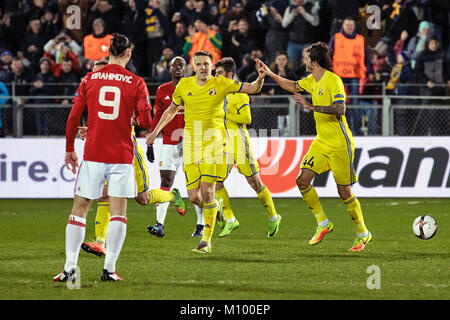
(160, 71)
(60, 47)
(67, 86)
(401, 76)
(134, 28)
(43, 85)
(299, 20)
(432, 71)
(214, 14)
(417, 43)
(3, 92)
(437, 13)
(50, 23)
(33, 46)
(282, 67)
(247, 72)
(102, 9)
(232, 16)
(156, 24)
(398, 16)
(351, 62)
(242, 41)
(270, 19)
(200, 8)
(8, 40)
(5, 63)
(203, 39)
(187, 13)
(177, 38)
(96, 45)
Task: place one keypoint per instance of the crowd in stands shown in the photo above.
(398, 42)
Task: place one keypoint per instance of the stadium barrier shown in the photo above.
(383, 114)
(389, 167)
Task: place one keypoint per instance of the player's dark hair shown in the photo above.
(203, 53)
(119, 44)
(320, 52)
(227, 64)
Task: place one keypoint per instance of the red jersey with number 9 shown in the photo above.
(112, 96)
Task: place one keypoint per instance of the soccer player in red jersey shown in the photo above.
(113, 97)
(171, 156)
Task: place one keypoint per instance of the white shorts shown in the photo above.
(171, 157)
(91, 180)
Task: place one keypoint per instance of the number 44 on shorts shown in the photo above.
(309, 162)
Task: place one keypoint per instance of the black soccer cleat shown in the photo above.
(156, 230)
(110, 276)
(64, 276)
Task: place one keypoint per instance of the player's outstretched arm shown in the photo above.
(167, 116)
(255, 86)
(337, 109)
(286, 84)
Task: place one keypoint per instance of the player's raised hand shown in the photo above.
(262, 68)
(302, 100)
(71, 161)
(82, 132)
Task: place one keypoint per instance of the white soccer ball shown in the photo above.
(425, 227)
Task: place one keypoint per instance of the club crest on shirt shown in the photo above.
(212, 92)
(320, 92)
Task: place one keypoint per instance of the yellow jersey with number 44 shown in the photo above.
(332, 131)
(204, 131)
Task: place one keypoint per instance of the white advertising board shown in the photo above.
(385, 166)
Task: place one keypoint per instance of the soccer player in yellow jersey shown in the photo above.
(239, 150)
(144, 195)
(333, 147)
(204, 135)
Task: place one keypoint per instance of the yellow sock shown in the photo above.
(354, 208)
(311, 199)
(161, 196)
(209, 217)
(227, 211)
(102, 221)
(266, 199)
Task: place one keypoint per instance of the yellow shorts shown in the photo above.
(205, 172)
(321, 158)
(140, 169)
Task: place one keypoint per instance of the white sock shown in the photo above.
(75, 231)
(199, 215)
(114, 240)
(324, 223)
(161, 211)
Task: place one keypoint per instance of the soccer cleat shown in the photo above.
(274, 226)
(360, 243)
(178, 202)
(203, 248)
(320, 233)
(110, 276)
(156, 230)
(94, 247)
(64, 276)
(198, 231)
(220, 220)
(229, 226)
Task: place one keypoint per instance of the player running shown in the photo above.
(171, 151)
(239, 149)
(143, 197)
(333, 148)
(204, 135)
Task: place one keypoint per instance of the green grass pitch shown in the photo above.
(245, 265)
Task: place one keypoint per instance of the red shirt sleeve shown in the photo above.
(143, 106)
(79, 104)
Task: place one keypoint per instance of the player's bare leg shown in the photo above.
(115, 237)
(311, 199)
(363, 235)
(75, 232)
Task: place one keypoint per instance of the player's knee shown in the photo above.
(195, 199)
(219, 185)
(255, 183)
(143, 198)
(302, 183)
(344, 192)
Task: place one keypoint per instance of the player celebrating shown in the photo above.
(239, 148)
(333, 147)
(204, 135)
(144, 196)
(171, 150)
